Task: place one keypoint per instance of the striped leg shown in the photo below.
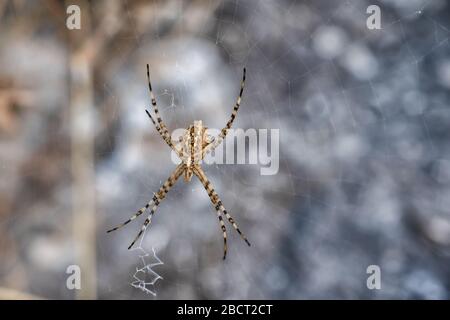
(155, 108)
(224, 232)
(156, 200)
(224, 131)
(161, 195)
(215, 199)
(166, 137)
(137, 214)
(222, 225)
(231, 220)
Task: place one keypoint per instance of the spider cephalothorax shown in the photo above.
(192, 147)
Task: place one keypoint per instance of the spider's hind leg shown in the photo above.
(215, 199)
(231, 221)
(156, 200)
(161, 194)
(137, 214)
(224, 231)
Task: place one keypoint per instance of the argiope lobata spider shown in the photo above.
(195, 144)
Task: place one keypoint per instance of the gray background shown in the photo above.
(364, 155)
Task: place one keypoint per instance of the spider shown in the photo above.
(192, 147)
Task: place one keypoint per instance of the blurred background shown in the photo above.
(364, 120)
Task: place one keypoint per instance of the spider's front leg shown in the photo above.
(155, 107)
(224, 131)
(159, 124)
(215, 199)
(166, 137)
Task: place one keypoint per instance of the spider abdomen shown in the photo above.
(193, 142)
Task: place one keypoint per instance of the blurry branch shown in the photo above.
(85, 49)
(84, 222)
(11, 294)
(82, 164)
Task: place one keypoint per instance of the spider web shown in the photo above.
(363, 160)
(145, 276)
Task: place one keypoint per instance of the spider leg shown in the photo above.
(166, 137)
(161, 195)
(160, 131)
(224, 131)
(216, 201)
(223, 228)
(137, 214)
(231, 221)
(224, 231)
(156, 200)
(155, 108)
